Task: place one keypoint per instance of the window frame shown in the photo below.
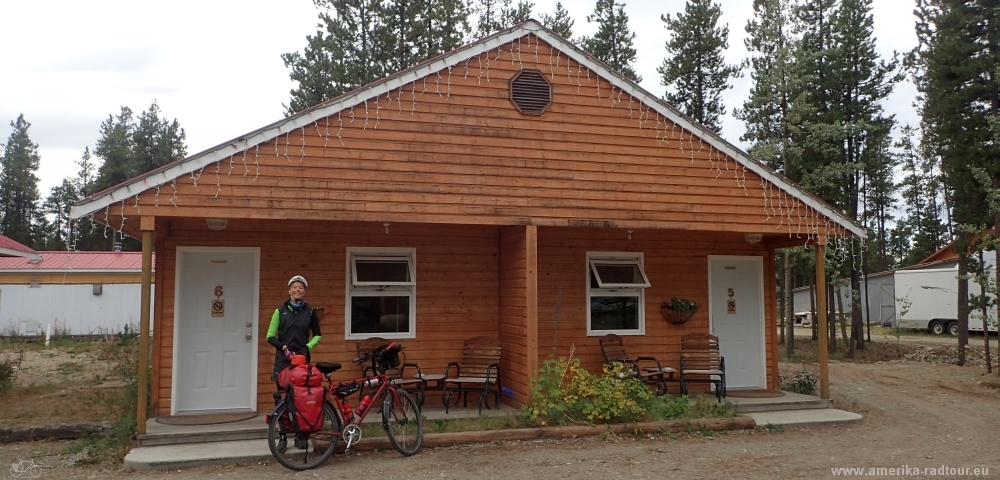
(353, 288)
(616, 290)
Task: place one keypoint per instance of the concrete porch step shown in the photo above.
(805, 418)
(810, 403)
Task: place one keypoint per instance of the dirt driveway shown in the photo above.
(916, 415)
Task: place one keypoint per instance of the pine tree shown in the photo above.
(347, 51)
(115, 147)
(919, 192)
(612, 43)
(560, 23)
(496, 15)
(156, 141)
(446, 28)
(956, 63)
(767, 113)
(360, 41)
(57, 205)
(19, 186)
(694, 70)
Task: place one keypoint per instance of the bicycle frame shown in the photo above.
(348, 415)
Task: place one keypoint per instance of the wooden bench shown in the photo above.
(700, 358)
(412, 384)
(614, 351)
(478, 372)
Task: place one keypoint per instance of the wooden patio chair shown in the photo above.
(414, 385)
(700, 357)
(614, 351)
(478, 372)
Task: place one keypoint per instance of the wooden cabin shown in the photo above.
(515, 187)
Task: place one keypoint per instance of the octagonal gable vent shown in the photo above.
(530, 92)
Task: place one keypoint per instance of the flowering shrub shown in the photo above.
(566, 393)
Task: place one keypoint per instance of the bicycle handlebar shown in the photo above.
(393, 346)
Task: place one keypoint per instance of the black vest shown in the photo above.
(293, 327)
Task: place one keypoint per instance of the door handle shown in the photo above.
(249, 337)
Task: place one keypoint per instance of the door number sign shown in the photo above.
(731, 302)
(218, 304)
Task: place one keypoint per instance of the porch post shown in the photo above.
(531, 311)
(147, 225)
(824, 367)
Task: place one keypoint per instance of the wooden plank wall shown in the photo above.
(454, 149)
(676, 264)
(457, 278)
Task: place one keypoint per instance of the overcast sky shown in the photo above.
(215, 65)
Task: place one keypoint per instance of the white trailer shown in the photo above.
(932, 297)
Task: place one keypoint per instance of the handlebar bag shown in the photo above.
(305, 407)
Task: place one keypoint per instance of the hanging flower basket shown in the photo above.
(678, 311)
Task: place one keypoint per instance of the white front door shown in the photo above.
(215, 327)
(736, 309)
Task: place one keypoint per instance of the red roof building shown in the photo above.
(80, 262)
(10, 248)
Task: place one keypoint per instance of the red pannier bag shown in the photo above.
(305, 407)
(305, 397)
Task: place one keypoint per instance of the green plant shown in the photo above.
(667, 407)
(9, 368)
(705, 408)
(804, 381)
(564, 392)
(682, 305)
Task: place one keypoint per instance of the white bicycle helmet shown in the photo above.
(298, 278)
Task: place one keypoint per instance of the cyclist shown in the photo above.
(290, 329)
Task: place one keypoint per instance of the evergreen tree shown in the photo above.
(560, 23)
(156, 141)
(348, 50)
(767, 113)
(612, 43)
(446, 28)
(694, 70)
(85, 176)
(919, 193)
(496, 15)
(19, 186)
(57, 205)
(360, 41)
(956, 64)
(115, 148)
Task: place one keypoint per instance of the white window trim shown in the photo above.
(631, 258)
(634, 262)
(410, 264)
(365, 289)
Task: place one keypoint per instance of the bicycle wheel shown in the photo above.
(287, 448)
(402, 423)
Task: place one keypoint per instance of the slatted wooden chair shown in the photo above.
(650, 372)
(478, 372)
(701, 362)
(414, 385)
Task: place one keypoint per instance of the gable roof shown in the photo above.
(10, 248)
(78, 262)
(451, 59)
(946, 252)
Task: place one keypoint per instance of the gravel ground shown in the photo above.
(916, 415)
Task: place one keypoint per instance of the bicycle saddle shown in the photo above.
(327, 367)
